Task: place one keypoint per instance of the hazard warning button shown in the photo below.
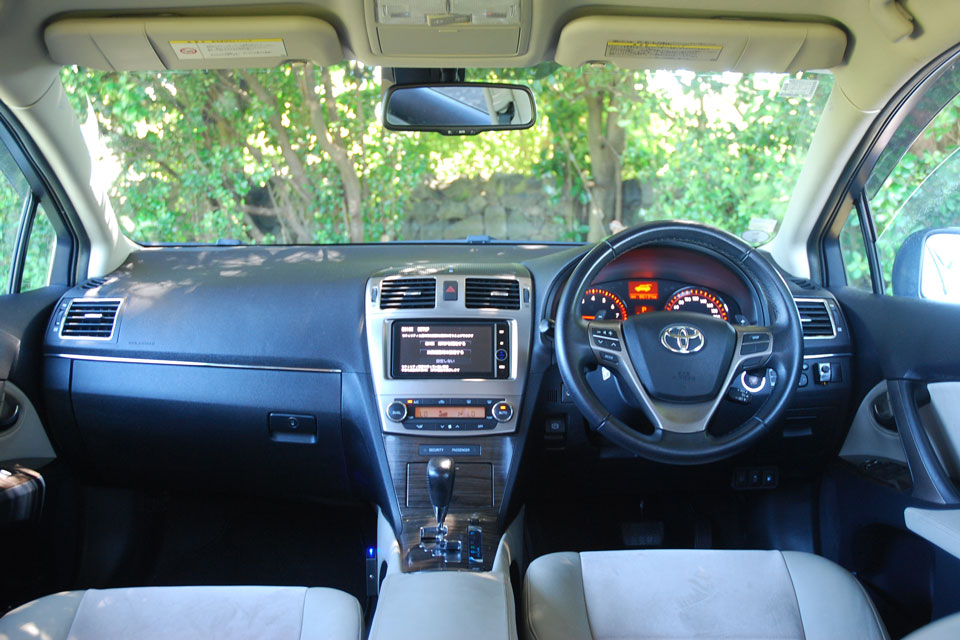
(449, 289)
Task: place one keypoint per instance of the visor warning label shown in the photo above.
(213, 49)
(663, 50)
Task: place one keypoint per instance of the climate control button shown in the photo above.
(397, 411)
(502, 411)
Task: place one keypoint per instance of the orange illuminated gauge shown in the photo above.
(598, 304)
(698, 301)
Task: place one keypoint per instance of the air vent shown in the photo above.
(90, 318)
(815, 319)
(803, 283)
(93, 283)
(492, 293)
(408, 293)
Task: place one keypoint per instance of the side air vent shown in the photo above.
(803, 283)
(815, 318)
(492, 293)
(90, 318)
(93, 283)
(408, 293)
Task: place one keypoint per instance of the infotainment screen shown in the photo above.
(443, 350)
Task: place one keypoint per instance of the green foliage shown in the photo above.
(922, 190)
(272, 155)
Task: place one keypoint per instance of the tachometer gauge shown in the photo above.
(598, 304)
(698, 301)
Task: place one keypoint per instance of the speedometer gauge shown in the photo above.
(698, 301)
(598, 304)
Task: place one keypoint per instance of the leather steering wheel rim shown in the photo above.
(576, 347)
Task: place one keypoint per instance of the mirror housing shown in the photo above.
(927, 265)
(458, 108)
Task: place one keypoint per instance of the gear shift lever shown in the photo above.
(441, 473)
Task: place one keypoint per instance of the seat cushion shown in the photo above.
(675, 594)
(162, 613)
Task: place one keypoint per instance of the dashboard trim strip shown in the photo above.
(813, 356)
(188, 363)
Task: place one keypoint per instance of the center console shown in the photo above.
(449, 348)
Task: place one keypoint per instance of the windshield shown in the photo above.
(297, 155)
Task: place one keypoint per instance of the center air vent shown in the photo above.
(815, 318)
(492, 293)
(408, 293)
(90, 318)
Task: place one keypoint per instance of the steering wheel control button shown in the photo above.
(397, 411)
(754, 343)
(450, 290)
(502, 411)
(607, 343)
(740, 396)
(609, 358)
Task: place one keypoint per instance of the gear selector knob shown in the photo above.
(440, 475)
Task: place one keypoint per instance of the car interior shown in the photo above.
(350, 388)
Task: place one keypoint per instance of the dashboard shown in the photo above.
(196, 363)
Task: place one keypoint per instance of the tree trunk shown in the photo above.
(328, 133)
(606, 140)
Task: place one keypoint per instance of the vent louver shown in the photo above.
(90, 318)
(408, 293)
(492, 293)
(93, 283)
(815, 319)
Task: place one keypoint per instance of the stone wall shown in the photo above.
(505, 207)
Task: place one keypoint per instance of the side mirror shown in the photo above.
(459, 108)
(928, 266)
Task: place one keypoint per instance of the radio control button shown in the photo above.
(397, 411)
(502, 411)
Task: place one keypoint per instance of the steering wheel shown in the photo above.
(679, 364)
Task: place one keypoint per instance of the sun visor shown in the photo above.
(701, 45)
(157, 44)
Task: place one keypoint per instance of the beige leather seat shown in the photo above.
(695, 594)
(187, 613)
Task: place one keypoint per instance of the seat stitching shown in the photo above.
(796, 598)
(583, 590)
(525, 601)
(359, 619)
(303, 610)
(76, 613)
(873, 610)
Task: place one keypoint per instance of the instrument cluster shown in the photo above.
(620, 299)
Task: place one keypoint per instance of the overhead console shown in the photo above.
(448, 348)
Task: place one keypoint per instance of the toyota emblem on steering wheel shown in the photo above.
(682, 338)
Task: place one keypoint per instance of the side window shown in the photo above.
(41, 248)
(916, 209)
(854, 251)
(13, 192)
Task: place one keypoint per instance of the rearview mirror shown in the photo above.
(458, 108)
(928, 266)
